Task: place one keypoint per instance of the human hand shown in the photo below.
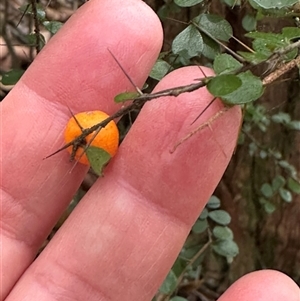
(123, 237)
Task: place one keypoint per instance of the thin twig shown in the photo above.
(37, 26)
(200, 127)
(284, 68)
(140, 100)
(136, 105)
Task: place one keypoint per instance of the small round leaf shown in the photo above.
(222, 232)
(98, 158)
(188, 43)
(213, 202)
(169, 284)
(285, 195)
(220, 217)
(223, 85)
(226, 248)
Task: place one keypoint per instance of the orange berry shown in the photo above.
(107, 138)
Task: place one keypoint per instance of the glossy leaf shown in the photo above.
(98, 159)
(223, 85)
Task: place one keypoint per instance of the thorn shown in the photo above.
(128, 77)
(204, 110)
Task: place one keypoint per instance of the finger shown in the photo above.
(125, 234)
(74, 70)
(262, 286)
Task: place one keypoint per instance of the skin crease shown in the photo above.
(122, 239)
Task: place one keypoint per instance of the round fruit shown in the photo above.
(107, 138)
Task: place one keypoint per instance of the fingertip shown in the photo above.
(76, 68)
(261, 286)
(195, 165)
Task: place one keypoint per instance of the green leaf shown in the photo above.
(187, 3)
(268, 4)
(32, 40)
(253, 58)
(287, 166)
(266, 190)
(222, 233)
(40, 11)
(98, 158)
(291, 32)
(278, 182)
(249, 22)
(225, 63)
(125, 96)
(210, 48)
(281, 117)
(285, 195)
(11, 77)
(200, 226)
(250, 90)
(53, 26)
(215, 26)
(169, 283)
(293, 185)
(268, 206)
(160, 69)
(188, 43)
(294, 125)
(263, 154)
(226, 248)
(224, 84)
(204, 214)
(220, 217)
(265, 43)
(213, 203)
